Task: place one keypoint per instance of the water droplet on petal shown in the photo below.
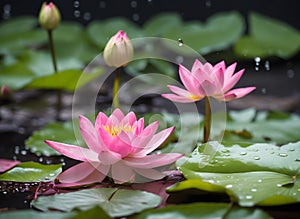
(229, 186)
(283, 155)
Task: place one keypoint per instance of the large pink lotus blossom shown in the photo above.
(118, 144)
(205, 80)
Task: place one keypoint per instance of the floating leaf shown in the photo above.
(68, 80)
(259, 174)
(21, 214)
(268, 37)
(91, 214)
(57, 131)
(249, 126)
(201, 211)
(220, 31)
(32, 172)
(116, 202)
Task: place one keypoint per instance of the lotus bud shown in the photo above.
(49, 16)
(118, 50)
(5, 91)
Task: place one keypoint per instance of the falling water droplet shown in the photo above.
(6, 11)
(264, 90)
(257, 59)
(180, 42)
(23, 152)
(135, 17)
(179, 59)
(229, 186)
(87, 16)
(17, 150)
(283, 155)
(208, 3)
(243, 153)
(267, 65)
(76, 4)
(133, 4)
(290, 73)
(4, 192)
(257, 62)
(256, 157)
(41, 159)
(102, 4)
(77, 13)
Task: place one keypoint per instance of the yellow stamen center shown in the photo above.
(115, 130)
(194, 97)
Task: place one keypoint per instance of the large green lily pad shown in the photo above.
(268, 37)
(259, 174)
(32, 172)
(116, 202)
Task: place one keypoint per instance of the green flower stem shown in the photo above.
(58, 94)
(207, 122)
(116, 89)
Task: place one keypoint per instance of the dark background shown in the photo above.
(140, 11)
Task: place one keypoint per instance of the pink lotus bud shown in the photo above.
(118, 50)
(49, 16)
(5, 91)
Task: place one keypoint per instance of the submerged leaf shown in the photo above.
(32, 172)
(116, 202)
(21, 214)
(259, 174)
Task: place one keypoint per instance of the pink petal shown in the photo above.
(155, 142)
(76, 173)
(89, 134)
(150, 173)
(179, 99)
(210, 88)
(179, 91)
(233, 80)
(100, 120)
(138, 126)
(152, 161)
(221, 65)
(121, 173)
(196, 66)
(129, 119)
(7, 164)
(189, 82)
(105, 137)
(117, 113)
(238, 93)
(121, 144)
(72, 151)
(109, 157)
(229, 71)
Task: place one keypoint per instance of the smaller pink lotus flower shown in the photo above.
(49, 16)
(118, 143)
(205, 80)
(118, 50)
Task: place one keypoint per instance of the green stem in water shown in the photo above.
(116, 89)
(207, 122)
(58, 94)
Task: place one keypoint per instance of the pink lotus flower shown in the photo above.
(118, 50)
(120, 144)
(205, 80)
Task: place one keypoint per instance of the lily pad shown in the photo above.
(203, 211)
(116, 202)
(259, 174)
(268, 37)
(32, 172)
(68, 80)
(91, 214)
(56, 131)
(21, 214)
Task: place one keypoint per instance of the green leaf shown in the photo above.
(170, 21)
(21, 214)
(268, 37)
(68, 80)
(275, 127)
(116, 202)
(201, 211)
(32, 172)
(259, 174)
(91, 214)
(57, 131)
(101, 31)
(220, 31)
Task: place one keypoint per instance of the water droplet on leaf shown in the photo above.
(283, 155)
(248, 197)
(256, 157)
(253, 190)
(228, 186)
(243, 153)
